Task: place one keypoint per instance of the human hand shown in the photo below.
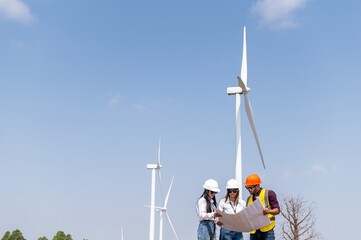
(266, 211)
(217, 214)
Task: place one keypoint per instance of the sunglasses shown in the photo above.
(235, 190)
(212, 192)
(250, 187)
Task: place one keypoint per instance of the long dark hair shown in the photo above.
(205, 196)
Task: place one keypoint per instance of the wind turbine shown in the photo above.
(237, 91)
(153, 167)
(121, 233)
(162, 210)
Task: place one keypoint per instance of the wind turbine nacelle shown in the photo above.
(160, 209)
(234, 90)
(152, 166)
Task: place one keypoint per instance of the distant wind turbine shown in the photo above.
(121, 233)
(162, 210)
(243, 89)
(153, 167)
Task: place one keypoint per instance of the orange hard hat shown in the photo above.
(253, 179)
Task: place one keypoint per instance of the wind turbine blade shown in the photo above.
(242, 85)
(159, 167)
(253, 125)
(160, 182)
(167, 197)
(158, 156)
(158, 209)
(244, 60)
(171, 225)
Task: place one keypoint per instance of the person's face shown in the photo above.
(233, 192)
(252, 189)
(211, 194)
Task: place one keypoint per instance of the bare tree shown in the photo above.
(300, 221)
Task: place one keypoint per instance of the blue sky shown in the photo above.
(87, 88)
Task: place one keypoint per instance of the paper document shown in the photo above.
(249, 219)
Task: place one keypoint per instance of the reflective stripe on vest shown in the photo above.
(263, 197)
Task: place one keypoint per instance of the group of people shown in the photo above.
(232, 203)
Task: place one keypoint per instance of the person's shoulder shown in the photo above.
(268, 190)
(271, 193)
(242, 203)
(201, 199)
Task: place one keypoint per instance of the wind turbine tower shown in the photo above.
(237, 91)
(152, 167)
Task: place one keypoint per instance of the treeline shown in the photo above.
(17, 235)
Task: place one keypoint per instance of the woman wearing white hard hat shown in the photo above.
(231, 204)
(206, 209)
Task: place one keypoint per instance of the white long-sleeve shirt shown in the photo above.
(201, 208)
(230, 208)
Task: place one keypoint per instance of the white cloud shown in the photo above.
(114, 101)
(277, 13)
(319, 168)
(117, 100)
(316, 168)
(17, 44)
(15, 10)
(139, 106)
(288, 174)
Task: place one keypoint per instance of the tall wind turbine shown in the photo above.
(153, 167)
(237, 91)
(121, 233)
(162, 210)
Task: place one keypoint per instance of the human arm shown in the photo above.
(273, 211)
(218, 222)
(274, 208)
(202, 211)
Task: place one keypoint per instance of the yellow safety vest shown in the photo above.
(263, 196)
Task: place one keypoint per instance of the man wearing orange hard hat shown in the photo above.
(270, 203)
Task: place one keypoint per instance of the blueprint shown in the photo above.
(249, 219)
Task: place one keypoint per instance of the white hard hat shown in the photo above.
(232, 184)
(211, 185)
